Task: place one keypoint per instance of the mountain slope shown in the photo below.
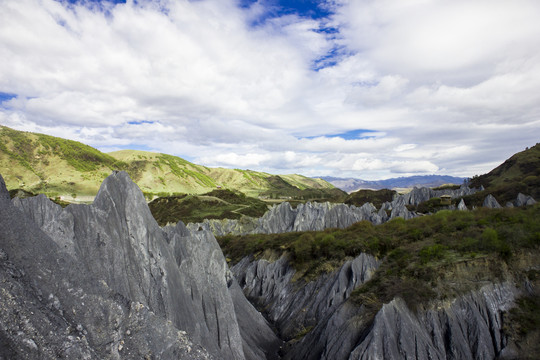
(58, 167)
(46, 164)
(519, 174)
(351, 184)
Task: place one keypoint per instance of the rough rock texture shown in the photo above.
(491, 202)
(461, 206)
(468, 327)
(306, 217)
(524, 200)
(319, 216)
(107, 282)
(295, 306)
(418, 195)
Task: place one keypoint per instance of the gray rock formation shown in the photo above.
(294, 306)
(524, 200)
(418, 195)
(461, 206)
(319, 216)
(105, 281)
(491, 202)
(468, 327)
(306, 217)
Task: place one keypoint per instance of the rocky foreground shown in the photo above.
(104, 281)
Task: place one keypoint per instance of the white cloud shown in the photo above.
(444, 86)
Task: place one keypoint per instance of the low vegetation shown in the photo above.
(217, 204)
(416, 253)
(376, 197)
(282, 190)
(519, 174)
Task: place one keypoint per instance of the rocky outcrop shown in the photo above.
(293, 306)
(109, 283)
(461, 206)
(306, 217)
(419, 195)
(319, 216)
(469, 327)
(491, 202)
(524, 200)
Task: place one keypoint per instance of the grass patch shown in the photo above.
(377, 198)
(217, 204)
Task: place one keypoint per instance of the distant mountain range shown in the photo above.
(351, 184)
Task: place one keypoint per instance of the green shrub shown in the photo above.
(432, 253)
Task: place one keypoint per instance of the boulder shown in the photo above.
(461, 206)
(491, 202)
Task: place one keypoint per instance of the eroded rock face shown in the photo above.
(491, 202)
(468, 327)
(461, 206)
(319, 216)
(524, 200)
(133, 288)
(294, 306)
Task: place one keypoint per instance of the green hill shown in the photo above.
(58, 167)
(217, 204)
(46, 164)
(519, 174)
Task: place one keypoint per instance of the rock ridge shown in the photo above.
(319, 216)
(293, 306)
(124, 285)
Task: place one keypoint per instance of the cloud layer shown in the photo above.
(434, 86)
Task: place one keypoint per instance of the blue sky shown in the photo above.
(365, 89)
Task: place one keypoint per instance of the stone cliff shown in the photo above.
(320, 321)
(319, 216)
(105, 281)
(294, 306)
(468, 327)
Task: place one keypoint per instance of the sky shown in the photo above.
(369, 89)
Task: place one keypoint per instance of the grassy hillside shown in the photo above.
(376, 197)
(58, 167)
(217, 204)
(45, 164)
(520, 173)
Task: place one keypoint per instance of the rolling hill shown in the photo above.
(64, 168)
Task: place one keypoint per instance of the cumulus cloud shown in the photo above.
(442, 87)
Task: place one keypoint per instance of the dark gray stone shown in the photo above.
(469, 327)
(491, 202)
(319, 216)
(111, 276)
(294, 306)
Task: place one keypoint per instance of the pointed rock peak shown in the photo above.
(461, 205)
(491, 202)
(4, 193)
(520, 200)
(121, 190)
